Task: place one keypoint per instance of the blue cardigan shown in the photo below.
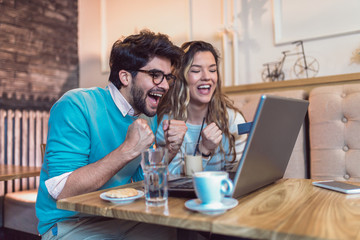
(84, 126)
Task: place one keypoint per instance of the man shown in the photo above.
(96, 135)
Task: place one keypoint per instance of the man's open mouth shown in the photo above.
(155, 97)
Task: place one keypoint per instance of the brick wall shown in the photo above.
(38, 51)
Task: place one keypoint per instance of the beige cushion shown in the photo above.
(19, 211)
(334, 115)
(298, 163)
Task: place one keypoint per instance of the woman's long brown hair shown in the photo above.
(176, 101)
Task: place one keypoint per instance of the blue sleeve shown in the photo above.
(138, 175)
(159, 137)
(152, 122)
(68, 143)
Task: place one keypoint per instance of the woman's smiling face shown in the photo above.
(202, 78)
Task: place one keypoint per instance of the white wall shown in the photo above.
(254, 25)
(90, 45)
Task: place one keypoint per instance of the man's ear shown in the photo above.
(125, 77)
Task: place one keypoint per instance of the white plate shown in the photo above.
(226, 204)
(126, 200)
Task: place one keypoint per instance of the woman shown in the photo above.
(196, 95)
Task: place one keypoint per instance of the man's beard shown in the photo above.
(139, 101)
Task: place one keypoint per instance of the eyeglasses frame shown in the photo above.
(151, 72)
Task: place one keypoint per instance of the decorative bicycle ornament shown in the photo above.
(304, 66)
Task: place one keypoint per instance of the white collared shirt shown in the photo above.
(119, 100)
(56, 184)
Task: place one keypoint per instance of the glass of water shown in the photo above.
(155, 166)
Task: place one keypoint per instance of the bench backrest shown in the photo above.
(334, 115)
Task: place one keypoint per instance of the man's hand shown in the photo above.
(211, 138)
(174, 132)
(138, 138)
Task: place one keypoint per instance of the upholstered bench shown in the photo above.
(19, 208)
(19, 211)
(298, 163)
(334, 119)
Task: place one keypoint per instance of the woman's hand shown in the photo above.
(211, 138)
(174, 131)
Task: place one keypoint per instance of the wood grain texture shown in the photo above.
(287, 209)
(293, 209)
(10, 172)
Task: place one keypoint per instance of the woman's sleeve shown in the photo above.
(176, 165)
(240, 140)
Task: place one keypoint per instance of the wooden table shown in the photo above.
(10, 172)
(288, 209)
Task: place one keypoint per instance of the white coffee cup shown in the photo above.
(212, 186)
(193, 159)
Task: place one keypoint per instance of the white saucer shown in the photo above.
(196, 205)
(126, 200)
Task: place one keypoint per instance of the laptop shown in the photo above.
(271, 139)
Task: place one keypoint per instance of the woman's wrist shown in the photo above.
(204, 151)
(206, 155)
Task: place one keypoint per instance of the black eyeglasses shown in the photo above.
(158, 76)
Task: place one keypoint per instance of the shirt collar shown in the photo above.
(119, 100)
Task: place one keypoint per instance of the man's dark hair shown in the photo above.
(135, 51)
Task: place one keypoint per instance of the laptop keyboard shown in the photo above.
(186, 185)
(182, 183)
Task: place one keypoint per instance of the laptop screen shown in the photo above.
(271, 140)
(272, 136)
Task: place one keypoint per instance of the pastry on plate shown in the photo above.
(122, 193)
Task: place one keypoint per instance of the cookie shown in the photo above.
(122, 193)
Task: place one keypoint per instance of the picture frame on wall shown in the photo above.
(307, 19)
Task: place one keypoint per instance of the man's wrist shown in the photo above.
(128, 154)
